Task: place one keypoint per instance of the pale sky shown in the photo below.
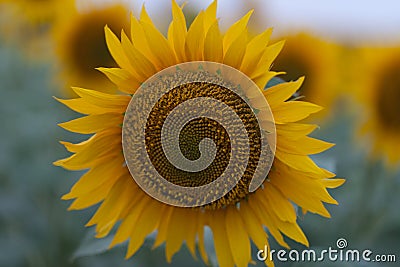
(354, 20)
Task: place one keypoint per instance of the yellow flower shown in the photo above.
(28, 24)
(238, 217)
(305, 54)
(377, 84)
(42, 11)
(80, 45)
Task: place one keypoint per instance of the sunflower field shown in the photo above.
(199, 133)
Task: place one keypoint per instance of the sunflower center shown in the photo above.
(191, 137)
(388, 108)
(197, 130)
(88, 49)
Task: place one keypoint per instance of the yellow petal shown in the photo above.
(279, 93)
(289, 228)
(238, 237)
(293, 111)
(144, 16)
(106, 170)
(84, 107)
(74, 148)
(213, 50)
(294, 131)
(303, 146)
(222, 250)
(78, 147)
(195, 39)
(147, 222)
(293, 231)
(93, 123)
(117, 102)
(180, 223)
(140, 42)
(254, 51)
(177, 31)
(298, 162)
(318, 175)
(121, 197)
(138, 61)
(260, 212)
(302, 190)
(93, 197)
(270, 54)
(235, 52)
(115, 48)
(125, 229)
(255, 229)
(261, 81)
(210, 15)
(235, 30)
(123, 79)
(102, 144)
(159, 45)
(253, 225)
(333, 183)
(278, 203)
(163, 229)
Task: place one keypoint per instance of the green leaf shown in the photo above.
(274, 81)
(91, 245)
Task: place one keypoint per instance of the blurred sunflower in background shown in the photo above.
(316, 59)
(239, 217)
(81, 47)
(41, 11)
(28, 24)
(377, 85)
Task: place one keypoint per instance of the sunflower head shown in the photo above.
(378, 92)
(42, 11)
(28, 24)
(387, 106)
(308, 55)
(190, 140)
(196, 157)
(81, 45)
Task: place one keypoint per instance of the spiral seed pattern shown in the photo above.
(191, 137)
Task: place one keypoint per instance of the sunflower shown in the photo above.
(81, 47)
(42, 11)
(305, 54)
(28, 24)
(378, 91)
(158, 77)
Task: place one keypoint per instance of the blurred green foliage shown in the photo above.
(36, 229)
